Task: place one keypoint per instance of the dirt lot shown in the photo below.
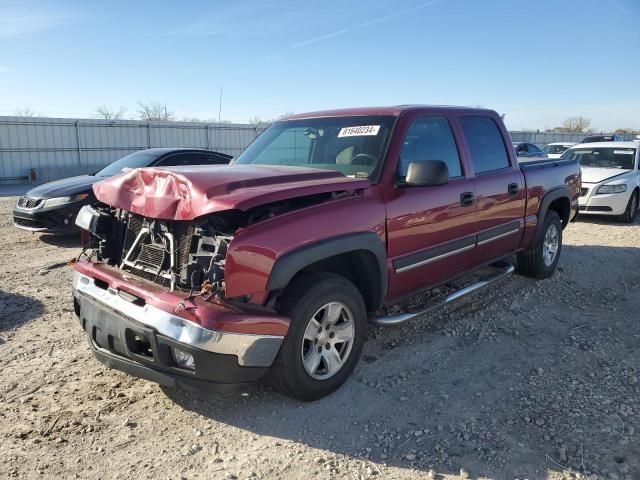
(525, 380)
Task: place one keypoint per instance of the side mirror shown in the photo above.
(427, 173)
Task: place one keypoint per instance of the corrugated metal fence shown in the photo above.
(57, 148)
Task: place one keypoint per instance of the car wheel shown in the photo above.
(541, 259)
(325, 338)
(631, 211)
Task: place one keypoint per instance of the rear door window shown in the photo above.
(430, 138)
(486, 146)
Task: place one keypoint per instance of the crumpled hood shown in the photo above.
(597, 175)
(185, 193)
(64, 187)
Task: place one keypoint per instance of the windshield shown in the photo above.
(603, 157)
(598, 138)
(138, 159)
(555, 149)
(350, 145)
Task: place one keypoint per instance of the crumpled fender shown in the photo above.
(185, 193)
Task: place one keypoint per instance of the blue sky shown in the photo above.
(537, 61)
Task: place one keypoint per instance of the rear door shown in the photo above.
(499, 186)
(430, 229)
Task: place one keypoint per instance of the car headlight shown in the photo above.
(98, 223)
(612, 189)
(54, 202)
(85, 217)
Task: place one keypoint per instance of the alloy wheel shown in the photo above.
(550, 245)
(327, 341)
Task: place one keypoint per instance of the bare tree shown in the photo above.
(155, 111)
(24, 112)
(577, 124)
(110, 114)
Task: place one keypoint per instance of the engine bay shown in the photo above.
(188, 256)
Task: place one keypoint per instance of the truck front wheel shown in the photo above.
(541, 259)
(325, 338)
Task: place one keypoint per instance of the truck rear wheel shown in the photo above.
(325, 338)
(541, 259)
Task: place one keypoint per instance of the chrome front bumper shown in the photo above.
(250, 350)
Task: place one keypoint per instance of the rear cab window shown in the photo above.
(486, 145)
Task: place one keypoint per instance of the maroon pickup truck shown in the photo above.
(206, 277)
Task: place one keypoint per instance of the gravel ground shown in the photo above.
(524, 380)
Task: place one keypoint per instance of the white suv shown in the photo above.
(610, 178)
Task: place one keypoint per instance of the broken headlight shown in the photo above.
(98, 223)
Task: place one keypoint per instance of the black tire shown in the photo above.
(631, 211)
(305, 296)
(531, 262)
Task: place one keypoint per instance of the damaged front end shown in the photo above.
(175, 228)
(179, 255)
(150, 296)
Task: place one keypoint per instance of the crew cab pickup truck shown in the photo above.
(209, 277)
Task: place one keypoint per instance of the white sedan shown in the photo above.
(610, 178)
(556, 149)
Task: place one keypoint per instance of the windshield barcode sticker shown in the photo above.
(623, 152)
(371, 130)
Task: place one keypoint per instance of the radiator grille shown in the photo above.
(151, 259)
(26, 202)
(152, 256)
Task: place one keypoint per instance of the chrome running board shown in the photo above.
(503, 269)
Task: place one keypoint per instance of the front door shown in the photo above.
(430, 229)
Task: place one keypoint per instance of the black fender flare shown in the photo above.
(289, 264)
(550, 196)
